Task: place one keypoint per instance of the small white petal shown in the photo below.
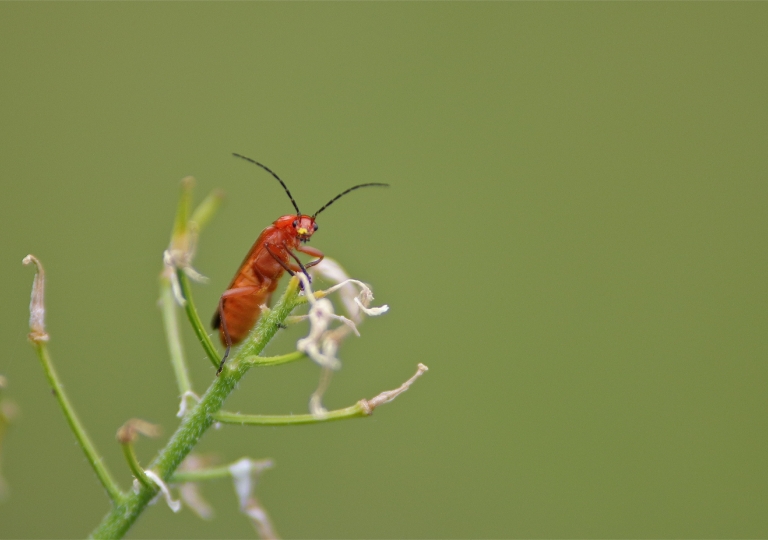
(355, 304)
(172, 504)
(183, 404)
(316, 400)
(352, 326)
(316, 408)
(260, 520)
(241, 476)
(374, 311)
(307, 287)
(194, 275)
(174, 259)
(190, 494)
(175, 285)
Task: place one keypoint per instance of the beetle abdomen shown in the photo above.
(240, 314)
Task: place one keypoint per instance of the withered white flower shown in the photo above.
(332, 271)
(179, 256)
(316, 345)
(173, 504)
(173, 259)
(37, 331)
(322, 343)
(245, 473)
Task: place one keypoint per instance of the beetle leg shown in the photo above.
(287, 267)
(295, 258)
(278, 259)
(313, 252)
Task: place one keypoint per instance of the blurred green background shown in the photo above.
(574, 242)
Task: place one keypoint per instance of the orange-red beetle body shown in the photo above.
(271, 255)
(258, 275)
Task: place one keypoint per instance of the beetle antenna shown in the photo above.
(278, 179)
(337, 197)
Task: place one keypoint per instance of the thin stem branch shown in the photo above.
(364, 407)
(355, 411)
(178, 259)
(133, 463)
(263, 361)
(211, 473)
(194, 320)
(194, 425)
(77, 428)
(173, 337)
(214, 473)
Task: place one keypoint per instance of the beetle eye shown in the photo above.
(316, 227)
(295, 223)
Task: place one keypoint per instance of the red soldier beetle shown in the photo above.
(256, 279)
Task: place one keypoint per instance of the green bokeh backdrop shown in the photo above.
(574, 242)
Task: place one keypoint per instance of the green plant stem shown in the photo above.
(117, 522)
(171, 323)
(355, 411)
(194, 320)
(133, 463)
(264, 361)
(91, 455)
(211, 473)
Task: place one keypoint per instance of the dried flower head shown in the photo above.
(37, 331)
(323, 341)
(181, 251)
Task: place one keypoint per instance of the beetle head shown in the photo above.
(300, 226)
